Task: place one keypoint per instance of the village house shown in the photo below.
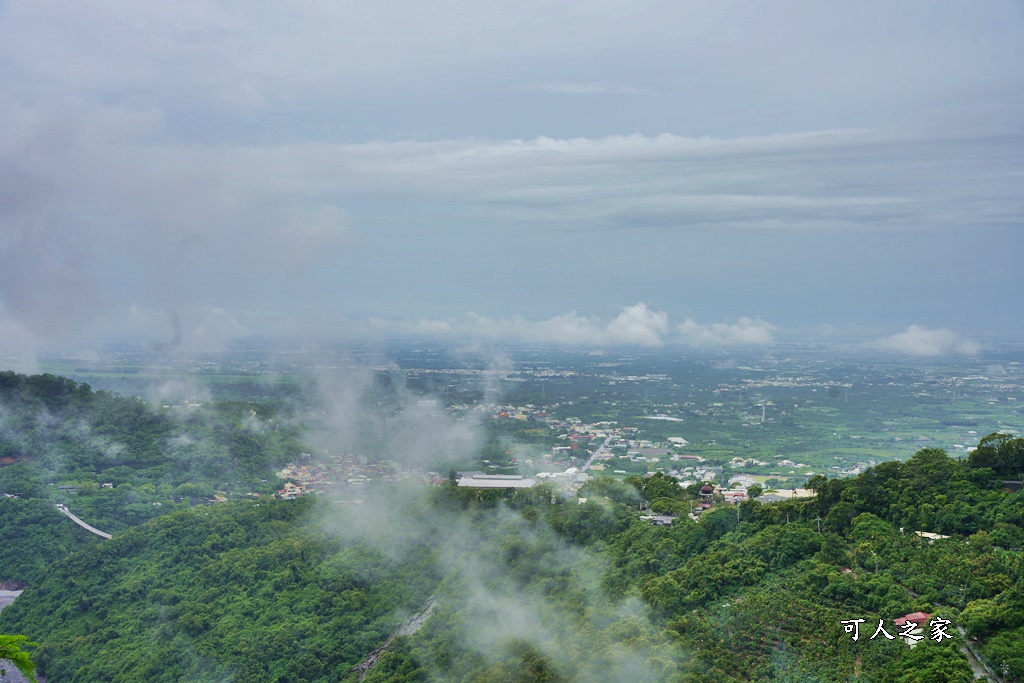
(918, 618)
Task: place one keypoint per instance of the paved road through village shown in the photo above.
(600, 450)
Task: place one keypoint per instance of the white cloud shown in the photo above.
(634, 325)
(917, 340)
(744, 332)
(811, 179)
(108, 186)
(638, 325)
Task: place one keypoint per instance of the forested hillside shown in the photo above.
(759, 594)
(529, 585)
(117, 461)
(52, 427)
(253, 591)
(535, 587)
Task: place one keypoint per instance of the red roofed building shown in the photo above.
(917, 633)
(919, 618)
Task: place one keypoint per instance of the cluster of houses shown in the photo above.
(337, 473)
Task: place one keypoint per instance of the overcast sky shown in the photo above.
(646, 172)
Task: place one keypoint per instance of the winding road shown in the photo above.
(64, 508)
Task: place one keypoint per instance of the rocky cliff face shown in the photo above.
(12, 675)
(8, 672)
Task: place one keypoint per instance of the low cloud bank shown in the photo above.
(636, 325)
(918, 340)
(745, 332)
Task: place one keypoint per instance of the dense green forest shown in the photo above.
(251, 591)
(533, 586)
(53, 428)
(529, 585)
(118, 461)
(759, 593)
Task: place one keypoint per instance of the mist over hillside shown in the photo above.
(211, 575)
